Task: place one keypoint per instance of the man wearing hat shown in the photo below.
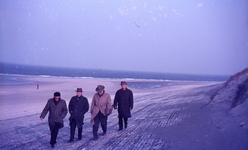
(57, 112)
(78, 106)
(100, 109)
(124, 100)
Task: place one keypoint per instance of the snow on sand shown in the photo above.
(174, 117)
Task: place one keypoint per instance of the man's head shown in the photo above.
(79, 92)
(124, 85)
(56, 96)
(100, 89)
(101, 92)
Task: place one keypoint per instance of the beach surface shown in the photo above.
(174, 117)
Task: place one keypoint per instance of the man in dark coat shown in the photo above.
(124, 100)
(78, 106)
(57, 112)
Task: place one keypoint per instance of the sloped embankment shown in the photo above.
(234, 92)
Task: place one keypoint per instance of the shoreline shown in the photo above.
(127, 79)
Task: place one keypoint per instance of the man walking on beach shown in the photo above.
(57, 112)
(78, 106)
(124, 100)
(100, 109)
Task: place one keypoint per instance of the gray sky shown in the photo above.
(176, 36)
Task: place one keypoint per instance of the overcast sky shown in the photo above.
(175, 36)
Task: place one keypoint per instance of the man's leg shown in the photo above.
(104, 123)
(80, 130)
(54, 134)
(125, 121)
(73, 127)
(96, 126)
(120, 123)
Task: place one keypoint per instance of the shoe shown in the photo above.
(95, 138)
(120, 129)
(52, 146)
(79, 139)
(103, 134)
(71, 140)
(125, 126)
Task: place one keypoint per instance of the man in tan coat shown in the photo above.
(100, 109)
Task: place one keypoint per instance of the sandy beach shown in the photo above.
(26, 99)
(184, 63)
(171, 117)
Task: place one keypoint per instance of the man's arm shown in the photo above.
(70, 107)
(131, 100)
(45, 110)
(109, 102)
(86, 106)
(116, 100)
(64, 111)
(92, 104)
(109, 106)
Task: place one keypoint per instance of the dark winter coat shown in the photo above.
(124, 100)
(56, 113)
(77, 109)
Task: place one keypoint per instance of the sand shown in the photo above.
(171, 117)
(25, 99)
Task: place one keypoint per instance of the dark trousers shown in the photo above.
(73, 124)
(100, 118)
(54, 134)
(121, 122)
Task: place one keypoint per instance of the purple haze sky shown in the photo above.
(175, 36)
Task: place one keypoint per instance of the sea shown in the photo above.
(10, 72)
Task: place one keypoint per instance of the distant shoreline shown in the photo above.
(130, 79)
(14, 79)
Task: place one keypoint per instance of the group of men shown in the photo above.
(100, 109)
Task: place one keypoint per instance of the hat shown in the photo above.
(56, 94)
(123, 83)
(79, 90)
(100, 88)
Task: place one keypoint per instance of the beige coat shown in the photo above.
(102, 104)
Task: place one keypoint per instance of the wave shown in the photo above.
(125, 79)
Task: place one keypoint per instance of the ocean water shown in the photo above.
(6, 70)
(158, 84)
